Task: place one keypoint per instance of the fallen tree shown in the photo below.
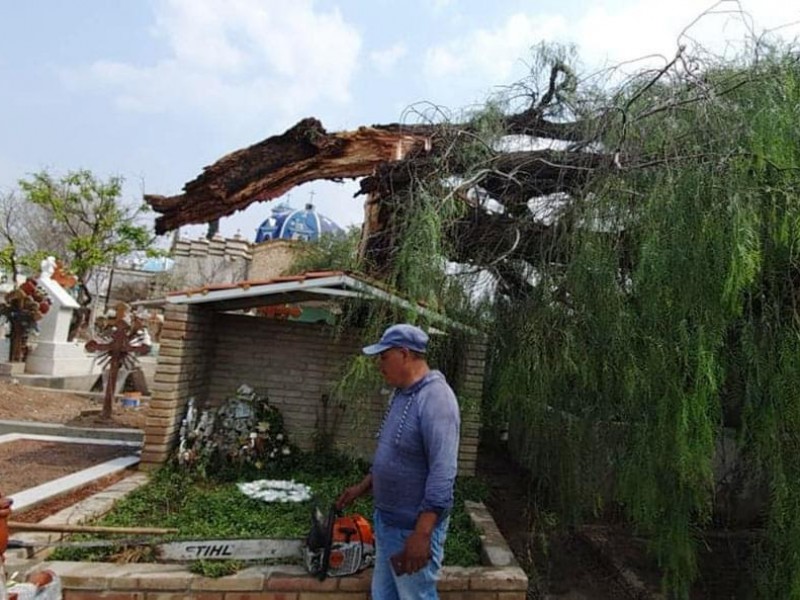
(645, 261)
(388, 159)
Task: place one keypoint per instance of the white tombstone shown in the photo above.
(53, 354)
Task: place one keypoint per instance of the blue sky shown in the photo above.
(154, 90)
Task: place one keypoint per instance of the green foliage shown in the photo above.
(675, 317)
(329, 253)
(203, 509)
(88, 215)
(216, 568)
(24, 229)
(463, 544)
(7, 256)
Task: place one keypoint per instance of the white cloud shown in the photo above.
(492, 53)
(641, 28)
(236, 60)
(605, 36)
(384, 60)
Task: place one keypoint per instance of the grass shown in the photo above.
(202, 508)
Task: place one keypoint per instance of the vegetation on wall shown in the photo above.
(331, 252)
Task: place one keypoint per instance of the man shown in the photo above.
(413, 470)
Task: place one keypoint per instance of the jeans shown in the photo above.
(416, 586)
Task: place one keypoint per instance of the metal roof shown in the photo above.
(315, 285)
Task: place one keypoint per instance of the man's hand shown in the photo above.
(417, 552)
(348, 496)
(354, 492)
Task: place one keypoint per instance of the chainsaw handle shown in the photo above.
(326, 551)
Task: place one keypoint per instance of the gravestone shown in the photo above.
(53, 354)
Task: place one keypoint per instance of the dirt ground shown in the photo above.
(27, 463)
(558, 565)
(21, 403)
(24, 464)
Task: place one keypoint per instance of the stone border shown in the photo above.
(500, 579)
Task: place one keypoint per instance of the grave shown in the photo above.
(54, 355)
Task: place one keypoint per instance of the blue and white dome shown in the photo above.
(295, 224)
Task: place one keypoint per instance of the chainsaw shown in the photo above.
(335, 546)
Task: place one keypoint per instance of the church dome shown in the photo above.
(288, 223)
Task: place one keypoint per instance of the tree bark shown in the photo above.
(269, 169)
(307, 152)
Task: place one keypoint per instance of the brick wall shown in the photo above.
(181, 373)
(201, 261)
(468, 384)
(295, 365)
(272, 258)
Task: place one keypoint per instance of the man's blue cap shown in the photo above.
(400, 336)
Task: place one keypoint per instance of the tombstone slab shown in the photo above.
(53, 354)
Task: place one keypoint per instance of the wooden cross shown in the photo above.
(118, 349)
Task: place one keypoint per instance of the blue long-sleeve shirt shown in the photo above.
(415, 463)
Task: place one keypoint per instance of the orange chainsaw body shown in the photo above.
(339, 546)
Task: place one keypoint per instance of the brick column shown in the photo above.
(469, 388)
(187, 339)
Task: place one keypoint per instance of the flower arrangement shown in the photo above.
(23, 307)
(276, 490)
(245, 430)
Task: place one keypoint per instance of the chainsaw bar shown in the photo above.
(187, 550)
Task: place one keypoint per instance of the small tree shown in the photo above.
(91, 225)
(24, 229)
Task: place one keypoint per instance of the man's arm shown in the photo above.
(441, 424)
(354, 492)
(440, 431)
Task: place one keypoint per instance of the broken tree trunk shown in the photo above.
(307, 152)
(269, 169)
(388, 158)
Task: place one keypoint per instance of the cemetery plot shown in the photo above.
(20, 403)
(26, 463)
